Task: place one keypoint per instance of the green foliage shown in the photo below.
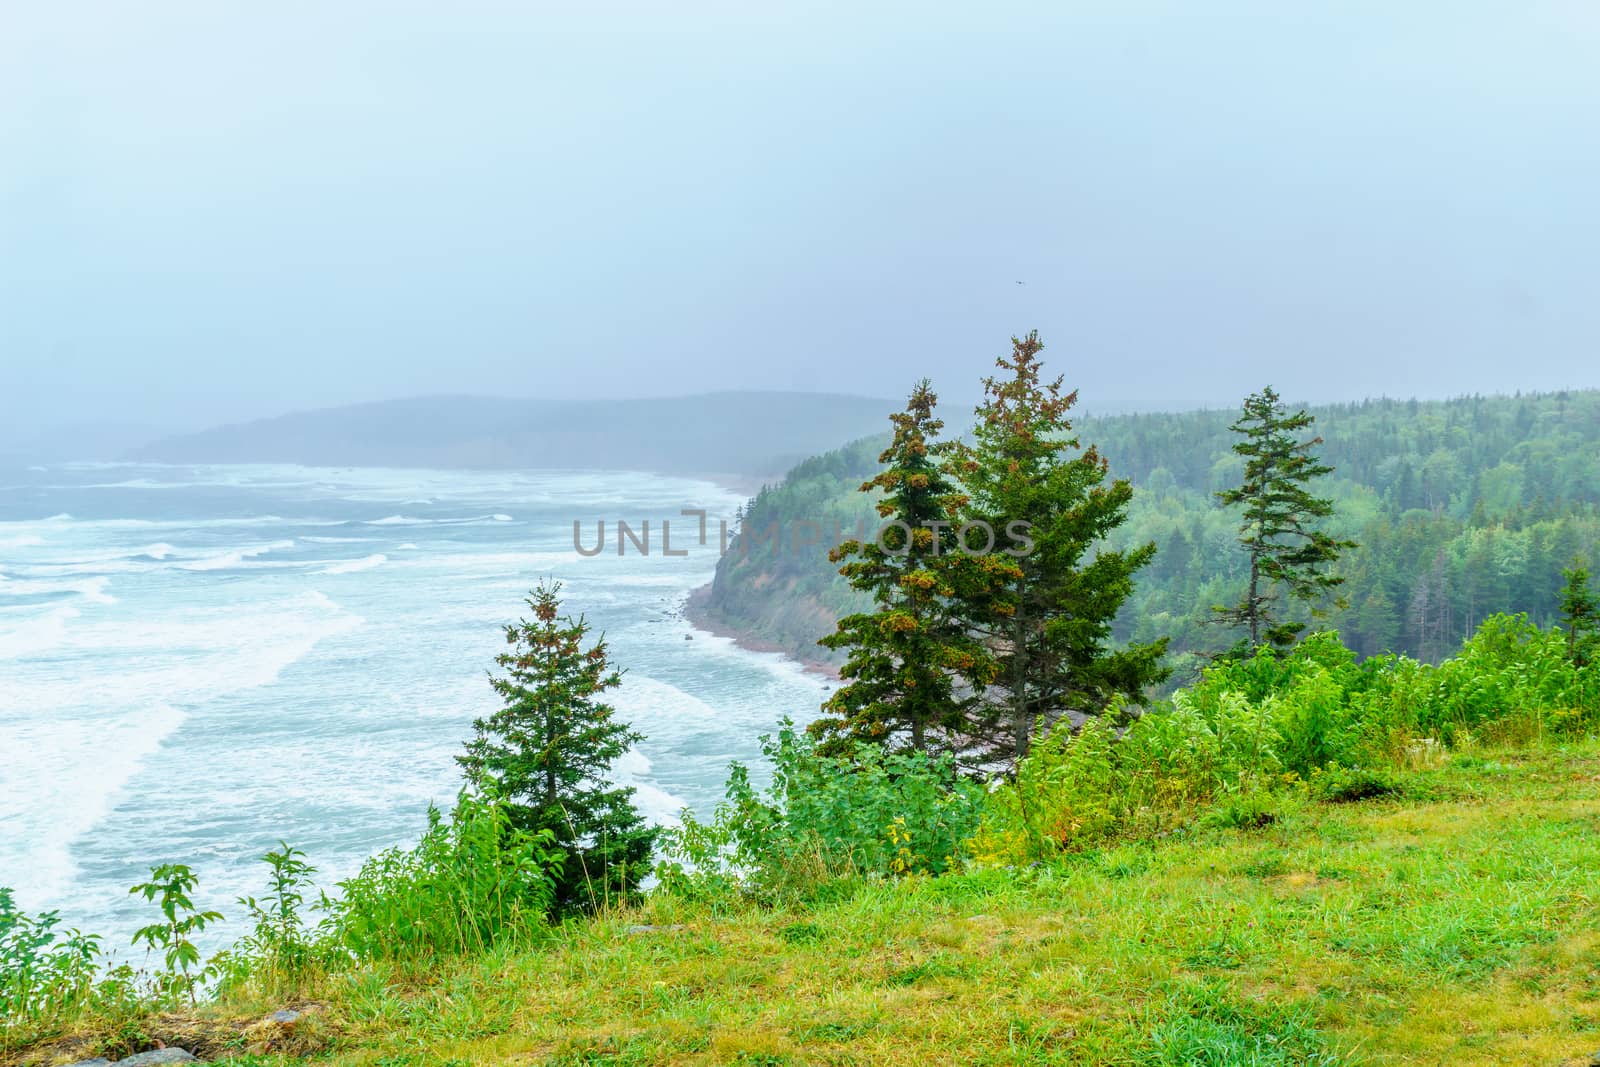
(1287, 555)
(474, 880)
(791, 597)
(280, 950)
(1204, 1024)
(1462, 509)
(44, 969)
(1580, 614)
(914, 668)
(170, 886)
(867, 813)
(1255, 732)
(547, 753)
(1049, 612)
(1344, 785)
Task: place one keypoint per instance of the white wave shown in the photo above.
(132, 483)
(377, 559)
(495, 564)
(408, 520)
(641, 698)
(92, 590)
(120, 559)
(75, 770)
(25, 541)
(656, 804)
(235, 558)
(42, 633)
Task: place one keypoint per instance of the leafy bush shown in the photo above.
(280, 950)
(43, 969)
(170, 886)
(1340, 785)
(872, 814)
(1254, 726)
(471, 881)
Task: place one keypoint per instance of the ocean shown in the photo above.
(198, 662)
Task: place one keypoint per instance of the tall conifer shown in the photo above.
(1288, 555)
(913, 670)
(1050, 624)
(548, 751)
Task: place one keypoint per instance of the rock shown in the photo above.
(160, 1055)
(688, 637)
(290, 1031)
(98, 1061)
(650, 928)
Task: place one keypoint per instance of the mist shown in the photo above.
(211, 213)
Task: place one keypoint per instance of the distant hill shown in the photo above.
(748, 435)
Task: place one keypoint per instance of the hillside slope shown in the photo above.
(1458, 925)
(1462, 508)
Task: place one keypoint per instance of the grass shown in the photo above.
(1453, 920)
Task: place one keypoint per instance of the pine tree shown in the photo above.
(913, 672)
(1050, 622)
(547, 753)
(1580, 613)
(1288, 556)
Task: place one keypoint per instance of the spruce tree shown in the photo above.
(1288, 555)
(1580, 613)
(913, 670)
(1050, 624)
(547, 753)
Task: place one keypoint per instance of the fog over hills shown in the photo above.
(746, 434)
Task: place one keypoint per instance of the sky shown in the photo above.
(213, 211)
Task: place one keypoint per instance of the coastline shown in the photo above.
(696, 612)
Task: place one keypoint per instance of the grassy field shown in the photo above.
(1457, 925)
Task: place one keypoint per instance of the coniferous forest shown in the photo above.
(1459, 509)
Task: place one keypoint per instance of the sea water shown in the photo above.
(199, 662)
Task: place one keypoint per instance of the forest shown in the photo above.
(1459, 509)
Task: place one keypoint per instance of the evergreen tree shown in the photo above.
(547, 753)
(1287, 555)
(912, 672)
(1049, 623)
(1580, 613)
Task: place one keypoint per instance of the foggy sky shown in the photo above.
(212, 211)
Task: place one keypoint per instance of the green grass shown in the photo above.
(1454, 921)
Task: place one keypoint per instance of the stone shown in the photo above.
(160, 1055)
(650, 928)
(98, 1061)
(287, 1015)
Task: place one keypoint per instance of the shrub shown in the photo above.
(169, 887)
(44, 970)
(471, 881)
(279, 951)
(1339, 785)
(872, 814)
